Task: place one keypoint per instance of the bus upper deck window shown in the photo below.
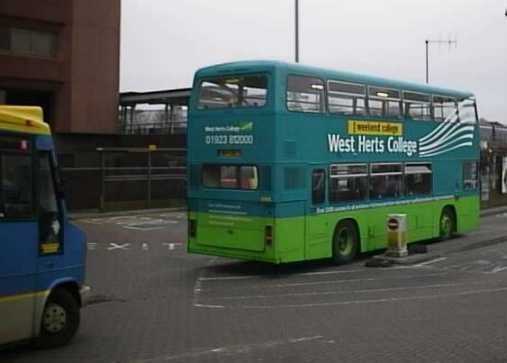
(233, 92)
(305, 94)
(445, 108)
(417, 105)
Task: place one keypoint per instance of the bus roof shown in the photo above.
(25, 119)
(263, 65)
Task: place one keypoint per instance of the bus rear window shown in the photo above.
(230, 177)
(233, 92)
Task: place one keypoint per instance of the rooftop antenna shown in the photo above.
(450, 42)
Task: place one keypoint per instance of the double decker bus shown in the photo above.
(42, 255)
(289, 162)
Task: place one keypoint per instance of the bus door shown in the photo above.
(317, 239)
(18, 239)
(50, 222)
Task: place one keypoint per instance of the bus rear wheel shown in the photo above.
(60, 319)
(447, 224)
(345, 242)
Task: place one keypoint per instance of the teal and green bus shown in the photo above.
(289, 162)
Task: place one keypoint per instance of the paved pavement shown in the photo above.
(152, 302)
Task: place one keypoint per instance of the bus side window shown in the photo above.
(318, 186)
(15, 186)
(470, 175)
(49, 221)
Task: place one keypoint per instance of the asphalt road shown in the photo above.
(152, 302)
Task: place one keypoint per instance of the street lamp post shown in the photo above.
(296, 30)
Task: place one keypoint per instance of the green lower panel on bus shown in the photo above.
(310, 237)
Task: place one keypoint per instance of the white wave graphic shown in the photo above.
(448, 144)
(449, 136)
(437, 129)
(435, 134)
(428, 154)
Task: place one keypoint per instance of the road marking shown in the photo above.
(229, 351)
(362, 291)
(91, 246)
(334, 272)
(144, 246)
(376, 301)
(248, 277)
(115, 246)
(171, 245)
(431, 261)
(498, 269)
(196, 305)
(356, 280)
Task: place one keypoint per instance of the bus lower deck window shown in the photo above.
(230, 177)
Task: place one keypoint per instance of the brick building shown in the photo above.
(64, 56)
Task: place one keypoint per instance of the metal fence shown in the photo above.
(123, 178)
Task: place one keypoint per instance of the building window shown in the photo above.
(31, 42)
(305, 94)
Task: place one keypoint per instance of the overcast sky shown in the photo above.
(165, 41)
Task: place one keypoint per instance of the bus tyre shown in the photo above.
(60, 319)
(447, 224)
(345, 242)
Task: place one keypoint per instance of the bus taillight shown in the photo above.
(268, 235)
(192, 228)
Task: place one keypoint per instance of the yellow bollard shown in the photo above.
(396, 235)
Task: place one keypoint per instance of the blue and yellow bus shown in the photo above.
(42, 255)
(289, 162)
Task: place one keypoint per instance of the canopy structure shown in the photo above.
(171, 100)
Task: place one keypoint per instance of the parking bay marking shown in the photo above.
(115, 246)
(171, 246)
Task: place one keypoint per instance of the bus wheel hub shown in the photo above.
(54, 318)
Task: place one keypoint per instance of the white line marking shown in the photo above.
(498, 269)
(115, 246)
(431, 261)
(376, 301)
(171, 245)
(333, 272)
(209, 306)
(357, 280)
(229, 351)
(91, 246)
(362, 291)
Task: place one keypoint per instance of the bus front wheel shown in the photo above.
(60, 319)
(345, 242)
(447, 224)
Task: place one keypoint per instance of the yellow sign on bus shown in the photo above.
(359, 127)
